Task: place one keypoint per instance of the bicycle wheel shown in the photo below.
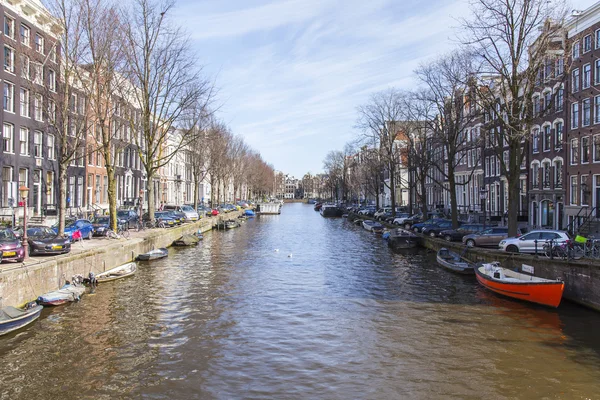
(576, 252)
(111, 234)
(125, 233)
(548, 250)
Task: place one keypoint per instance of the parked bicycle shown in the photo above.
(568, 250)
(122, 232)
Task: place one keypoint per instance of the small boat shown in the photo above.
(187, 240)
(12, 318)
(249, 213)
(454, 262)
(153, 255)
(318, 206)
(401, 239)
(229, 224)
(66, 294)
(518, 285)
(372, 226)
(119, 272)
(331, 211)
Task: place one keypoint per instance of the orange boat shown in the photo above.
(518, 285)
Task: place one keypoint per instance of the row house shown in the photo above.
(28, 155)
(583, 118)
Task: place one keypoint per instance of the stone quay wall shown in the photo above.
(20, 283)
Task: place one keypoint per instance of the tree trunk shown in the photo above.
(112, 195)
(62, 197)
(423, 197)
(196, 192)
(150, 189)
(393, 190)
(453, 202)
(513, 176)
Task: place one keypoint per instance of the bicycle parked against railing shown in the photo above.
(568, 250)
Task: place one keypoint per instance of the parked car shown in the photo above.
(430, 222)
(82, 225)
(434, 230)
(489, 237)
(381, 212)
(367, 211)
(457, 234)
(128, 218)
(165, 218)
(177, 216)
(10, 245)
(399, 219)
(43, 240)
(100, 226)
(527, 242)
(189, 214)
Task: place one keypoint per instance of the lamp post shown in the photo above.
(483, 197)
(24, 191)
(141, 201)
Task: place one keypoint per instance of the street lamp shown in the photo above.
(141, 203)
(24, 191)
(483, 197)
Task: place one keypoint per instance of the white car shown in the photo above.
(382, 211)
(527, 242)
(399, 220)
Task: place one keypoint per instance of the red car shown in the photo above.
(10, 246)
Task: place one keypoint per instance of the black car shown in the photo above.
(128, 218)
(43, 240)
(434, 230)
(161, 216)
(100, 226)
(452, 235)
(177, 216)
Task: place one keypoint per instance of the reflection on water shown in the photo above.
(342, 318)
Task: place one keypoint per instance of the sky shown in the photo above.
(291, 73)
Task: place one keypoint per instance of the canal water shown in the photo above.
(296, 306)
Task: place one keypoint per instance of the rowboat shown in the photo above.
(454, 262)
(520, 286)
(12, 318)
(401, 239)
(187, 240)
(231, 224)
(372, 226)
(153, 255)
(122, 271)
(65, 294)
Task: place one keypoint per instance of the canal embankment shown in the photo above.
(24, 282)
(581, 277)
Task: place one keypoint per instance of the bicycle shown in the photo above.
(564, 250)
(122, 232)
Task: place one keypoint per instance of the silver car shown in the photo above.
(528, 242)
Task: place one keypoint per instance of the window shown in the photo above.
(547, 101)
(587, 43)
(51, 110)
(559, 99)
(574, 190)
(535, 175)
(574, 115)
(586, 112)
(558, 174)
(575, 50)
(9, 27)
(25, 103)
(585, 150)
(38, 73)
(8, 136)
(575, 80)
(596, 148)
(587, 76)
(9, 59)
(50, 187)
(53, 53)
(560, 66)
(535, 140)
(50, 144)
(25, 35)
(38, 139)
(584, 191)
(597, 109)
(546, 174)
(547, 139)
(37, 107)
(597, 72)
(39, 43)
(7, 186)
(23, 173)
(536, 105)
(25, 73)
(73, 103)
(51, 80)
(574, 151)
(24, 142)
(558, 135)
(598, 38)
(9, 91)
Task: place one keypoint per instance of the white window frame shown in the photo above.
(9, 61)
(25, 35)
(8, 138)
(24, 141)
(38, 144)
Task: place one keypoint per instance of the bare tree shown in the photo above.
(167, 86)
(66, 119)
(378, 121)
(512, 39)
(451, 117)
